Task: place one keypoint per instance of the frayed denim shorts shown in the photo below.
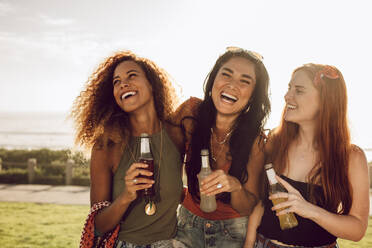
(157, 244)
(196, 232)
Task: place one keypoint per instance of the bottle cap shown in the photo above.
(204, 152)
(268, 166)
(144, 135)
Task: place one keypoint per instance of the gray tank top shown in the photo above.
(136, 227)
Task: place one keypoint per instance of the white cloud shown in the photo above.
(5, 9)
(60, 22)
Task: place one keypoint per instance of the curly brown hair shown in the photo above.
(97, 116)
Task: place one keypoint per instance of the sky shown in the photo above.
(48, 48)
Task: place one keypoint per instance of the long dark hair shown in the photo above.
(248, 125)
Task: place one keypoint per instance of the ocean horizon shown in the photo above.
(36, 130)
(51, 130)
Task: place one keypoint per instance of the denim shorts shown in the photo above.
(157, 244)
(263, 242)
(196, 232)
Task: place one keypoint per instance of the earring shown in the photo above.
(210, 93)
(247, 110)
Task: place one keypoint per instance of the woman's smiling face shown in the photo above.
(132, 90)
(302, 99)
(233, 86)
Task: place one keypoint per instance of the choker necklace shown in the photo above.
(150, 207)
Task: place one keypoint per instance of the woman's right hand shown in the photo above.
(134, 180)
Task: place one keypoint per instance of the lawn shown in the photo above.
(32, 225)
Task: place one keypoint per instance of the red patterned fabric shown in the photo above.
(88, 239)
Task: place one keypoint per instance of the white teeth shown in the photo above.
(291, 106)
(228, 96)
(128, 94)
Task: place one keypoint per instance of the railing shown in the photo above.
(32, 165)
(70, 164)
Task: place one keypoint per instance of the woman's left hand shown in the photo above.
(217, 182)
(295, 202)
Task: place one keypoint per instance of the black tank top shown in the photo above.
(307, 233)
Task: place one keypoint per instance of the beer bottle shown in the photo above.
(207, 203)
(288, 220)
(147, 158)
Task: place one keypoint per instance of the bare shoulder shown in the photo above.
(357, 158)
(106, 154)
(259, 144)
(105, 158)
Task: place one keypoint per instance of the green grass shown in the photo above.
(32, 225)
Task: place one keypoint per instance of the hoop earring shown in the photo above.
(247, 110)
(210, 93)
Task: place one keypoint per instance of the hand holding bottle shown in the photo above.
(134, 182)
(217, 182)
(287, 219)
(295, 203)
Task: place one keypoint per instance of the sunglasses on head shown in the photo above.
(253, 54)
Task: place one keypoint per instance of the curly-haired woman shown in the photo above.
(127, 96)
(325, 175)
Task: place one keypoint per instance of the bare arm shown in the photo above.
(351, 226)
(183, 115)
(253, 223)
(246, 199)
(103, 161)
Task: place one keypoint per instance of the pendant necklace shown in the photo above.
(220, 144)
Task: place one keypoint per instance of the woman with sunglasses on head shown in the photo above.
(125, 97)
(325, 175)
(229, 123)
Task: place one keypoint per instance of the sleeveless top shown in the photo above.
(223, 212)
(136, 227)
(307, 233)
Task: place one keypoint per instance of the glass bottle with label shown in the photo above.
(288, 220)
(207, 203)
(147, 158)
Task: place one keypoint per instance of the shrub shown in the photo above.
(50, 167)
(11, 176)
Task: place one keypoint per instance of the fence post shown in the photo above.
(31, 164)
(70, 163)
(1, 164)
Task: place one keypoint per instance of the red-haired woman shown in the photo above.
(326, 176)
(128, 95)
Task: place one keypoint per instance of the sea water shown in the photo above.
(35, 131)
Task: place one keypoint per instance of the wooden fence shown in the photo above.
(32, 163)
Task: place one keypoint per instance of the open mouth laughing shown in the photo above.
(228, 98)
(291, 106)
(128, 95)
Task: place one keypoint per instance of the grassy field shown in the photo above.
(31, 225)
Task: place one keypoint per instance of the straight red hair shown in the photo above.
(332, 139)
